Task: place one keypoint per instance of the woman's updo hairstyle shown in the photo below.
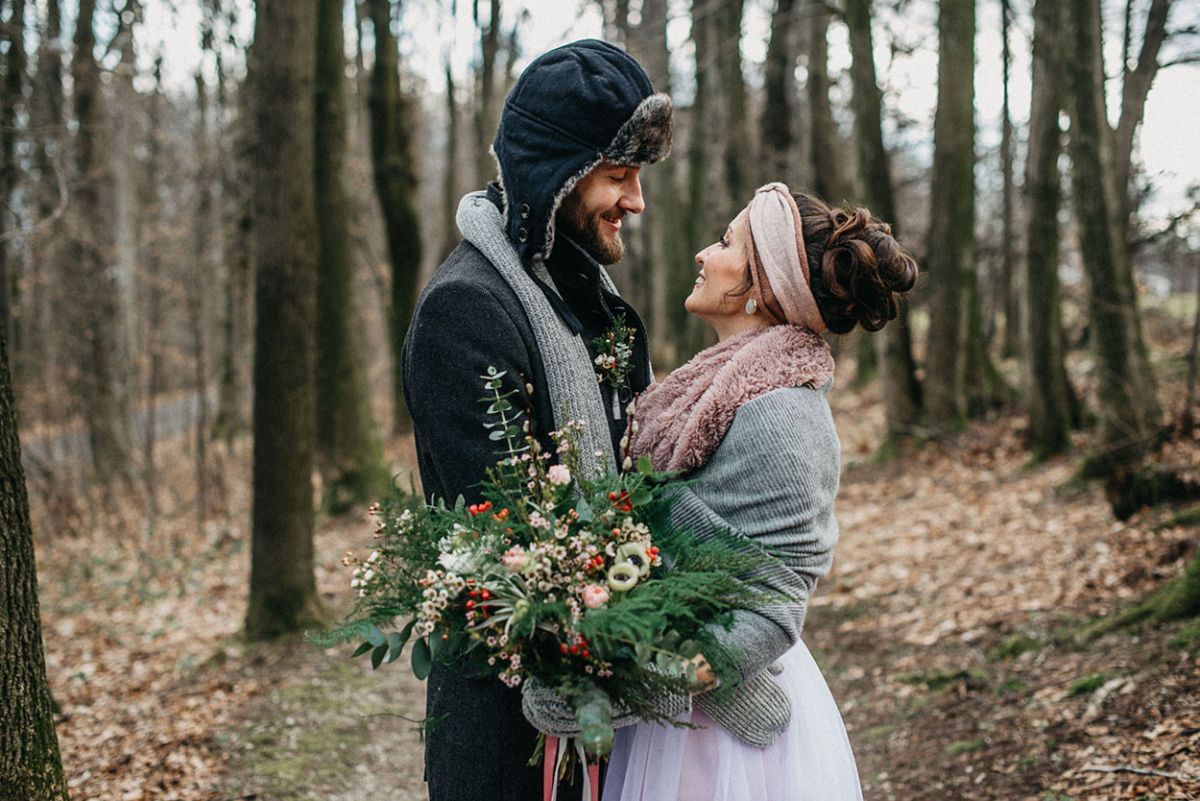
(857, 269)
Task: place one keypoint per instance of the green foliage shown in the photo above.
(1014, 646)
(1088, 685)
(965, 747)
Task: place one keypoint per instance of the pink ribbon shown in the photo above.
(550, 760)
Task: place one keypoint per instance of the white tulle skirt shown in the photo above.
(811, 760)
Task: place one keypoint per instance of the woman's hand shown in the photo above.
(704, 677)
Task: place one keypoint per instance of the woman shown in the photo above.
(748, 422)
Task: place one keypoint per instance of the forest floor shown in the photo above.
(944, 632)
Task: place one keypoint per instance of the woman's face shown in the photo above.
(723, 270)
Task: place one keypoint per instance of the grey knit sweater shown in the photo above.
(773, 481)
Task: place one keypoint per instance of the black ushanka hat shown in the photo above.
(572, 108)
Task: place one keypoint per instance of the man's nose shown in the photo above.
(631, 198)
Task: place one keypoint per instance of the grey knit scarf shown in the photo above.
(574, 391)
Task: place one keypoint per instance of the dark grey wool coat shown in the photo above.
(467, 319)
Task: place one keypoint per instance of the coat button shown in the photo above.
(775, 669)
(524, 211)
(522, 235)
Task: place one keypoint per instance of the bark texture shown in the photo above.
(779, 115)
(951, 241)
(1047, 392)
(392, 135)
(349, 450)
(101, 362)
(1128, 408)
(30, 764)
(893, 344)
(283, 592)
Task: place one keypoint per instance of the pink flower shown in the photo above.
(594, 596)
(514, 558)
(558, 474)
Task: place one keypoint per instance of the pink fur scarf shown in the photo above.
(681, 421)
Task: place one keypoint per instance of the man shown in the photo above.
(526, 293)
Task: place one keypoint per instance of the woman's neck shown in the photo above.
(731, 326)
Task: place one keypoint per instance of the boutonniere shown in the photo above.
(614, 355)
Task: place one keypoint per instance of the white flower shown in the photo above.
(622, 577)
(559, 474)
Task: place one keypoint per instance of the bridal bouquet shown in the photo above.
(575, 581)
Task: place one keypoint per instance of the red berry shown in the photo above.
(470, 604)
(486, 595)
(563, 647)
(585, 653)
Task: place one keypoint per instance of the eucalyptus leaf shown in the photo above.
(377, 656)
(422, 659)
(499, 406)
(375, 636)
(395, 647)
(496, 436)
(585, 510)
(362, 649)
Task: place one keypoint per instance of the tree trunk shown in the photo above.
(392, 135)
(125, 211)
(152, 337)
(1009, 291)
(1187, 420)
(898, 381)
(11, 102)
(101, 365)
(1047, 393)
(779, 115)
(451, 182)
(199, 283)
(486, 113)
(1127, 405)
(30, 764)
(663, 274)
(828, 174)
(1135, 89)
(283, 592)
(738, 142)
(238, 295)
(951, 241)
(348, 447)
(49, 195)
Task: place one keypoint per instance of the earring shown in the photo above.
(751, 306)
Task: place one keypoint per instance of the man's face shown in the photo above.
(592, 214)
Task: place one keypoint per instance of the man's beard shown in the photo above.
(584, 229)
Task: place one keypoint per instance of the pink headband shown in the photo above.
(778, 261)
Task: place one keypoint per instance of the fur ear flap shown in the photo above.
(646, 136)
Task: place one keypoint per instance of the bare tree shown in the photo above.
(11, 102)
(779, 119)
(1127, 404)
(487, 111)
(396, 186)
(1009, 295)
(829, 176)
(1048, 396)
(898, 381)
(951, 244)
(348, 447)
(30, 764)
(283, 592)
(101, 365)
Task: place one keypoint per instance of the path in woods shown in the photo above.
(937, 630)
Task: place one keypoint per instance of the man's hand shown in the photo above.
(705, 679)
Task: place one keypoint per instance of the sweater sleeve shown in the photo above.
(459, 329)
(773, 481)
